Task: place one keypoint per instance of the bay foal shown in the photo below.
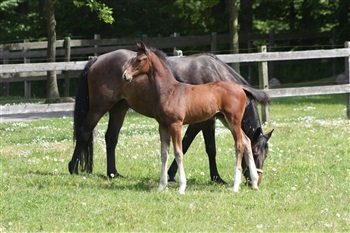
(178, 103)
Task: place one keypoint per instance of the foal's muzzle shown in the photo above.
(126, 77)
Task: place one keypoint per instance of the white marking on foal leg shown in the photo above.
(237, 180)
(182, 176)
(252, 167)
(165, 141)
(163, 177)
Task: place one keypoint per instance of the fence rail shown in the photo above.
(262, 59)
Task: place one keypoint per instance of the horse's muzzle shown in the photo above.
(126, 77)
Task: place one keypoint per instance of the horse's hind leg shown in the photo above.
(116, 119)
(234, 125)
(83, 150)
(175, 132)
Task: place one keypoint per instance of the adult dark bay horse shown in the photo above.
(100, 91)
(178, 103)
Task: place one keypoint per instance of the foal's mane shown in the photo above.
(162, 56)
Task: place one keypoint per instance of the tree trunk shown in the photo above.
(52, 88)
(234, 41)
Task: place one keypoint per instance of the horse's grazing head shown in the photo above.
(260, 148)
(139, 64)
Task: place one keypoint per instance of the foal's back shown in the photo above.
(202, 102)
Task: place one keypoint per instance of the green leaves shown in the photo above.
(104, 12)
(6, 5)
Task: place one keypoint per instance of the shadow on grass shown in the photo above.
(92, 181)
(85, 180)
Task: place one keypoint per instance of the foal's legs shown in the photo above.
(116, 119)
(175, 132)
(239, 156)
(243, 149)
(208, 131)
(165, 145)
(191, 133)
(249, 159)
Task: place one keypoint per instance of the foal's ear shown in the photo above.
(141, 46)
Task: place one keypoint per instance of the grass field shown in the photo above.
(305, 185)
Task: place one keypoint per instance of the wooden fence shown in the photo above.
(77, 50)
(261, 58)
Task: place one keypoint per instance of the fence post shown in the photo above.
(27, 84)
(96, 37)
(213, 42)
(270, 48)
(177, 52)
(67, 55)
(250, 68)
(347, 73)
(264, 84)
(6, 85)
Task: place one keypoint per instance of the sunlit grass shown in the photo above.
(305, 185)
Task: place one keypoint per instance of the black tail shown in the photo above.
(259, 95)
(81, 110)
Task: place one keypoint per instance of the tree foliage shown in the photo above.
(104, 12)
(23, 19)
(9, 5)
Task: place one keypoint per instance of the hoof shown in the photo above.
(255, 188)
(114, 175)
(161, 188)
(235, 189)
(255, 185)
(182, 188)
(218, 180)
(171, 180)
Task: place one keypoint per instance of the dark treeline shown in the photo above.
(24, 19)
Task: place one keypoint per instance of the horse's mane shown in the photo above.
(165, 59)
(251, 121)
(238, 77)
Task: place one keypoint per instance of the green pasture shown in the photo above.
(306, 184)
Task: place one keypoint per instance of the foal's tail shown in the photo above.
(81, 110)
(259, 95)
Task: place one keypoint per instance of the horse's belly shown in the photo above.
(199, 113)
(197, 119)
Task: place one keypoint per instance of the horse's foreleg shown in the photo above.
(248, 156)
(116, 119)
(191, 133)
(165, 144)
(175, 131)
(238, 169)
(208, 130)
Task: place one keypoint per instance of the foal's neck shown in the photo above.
(161, 75)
